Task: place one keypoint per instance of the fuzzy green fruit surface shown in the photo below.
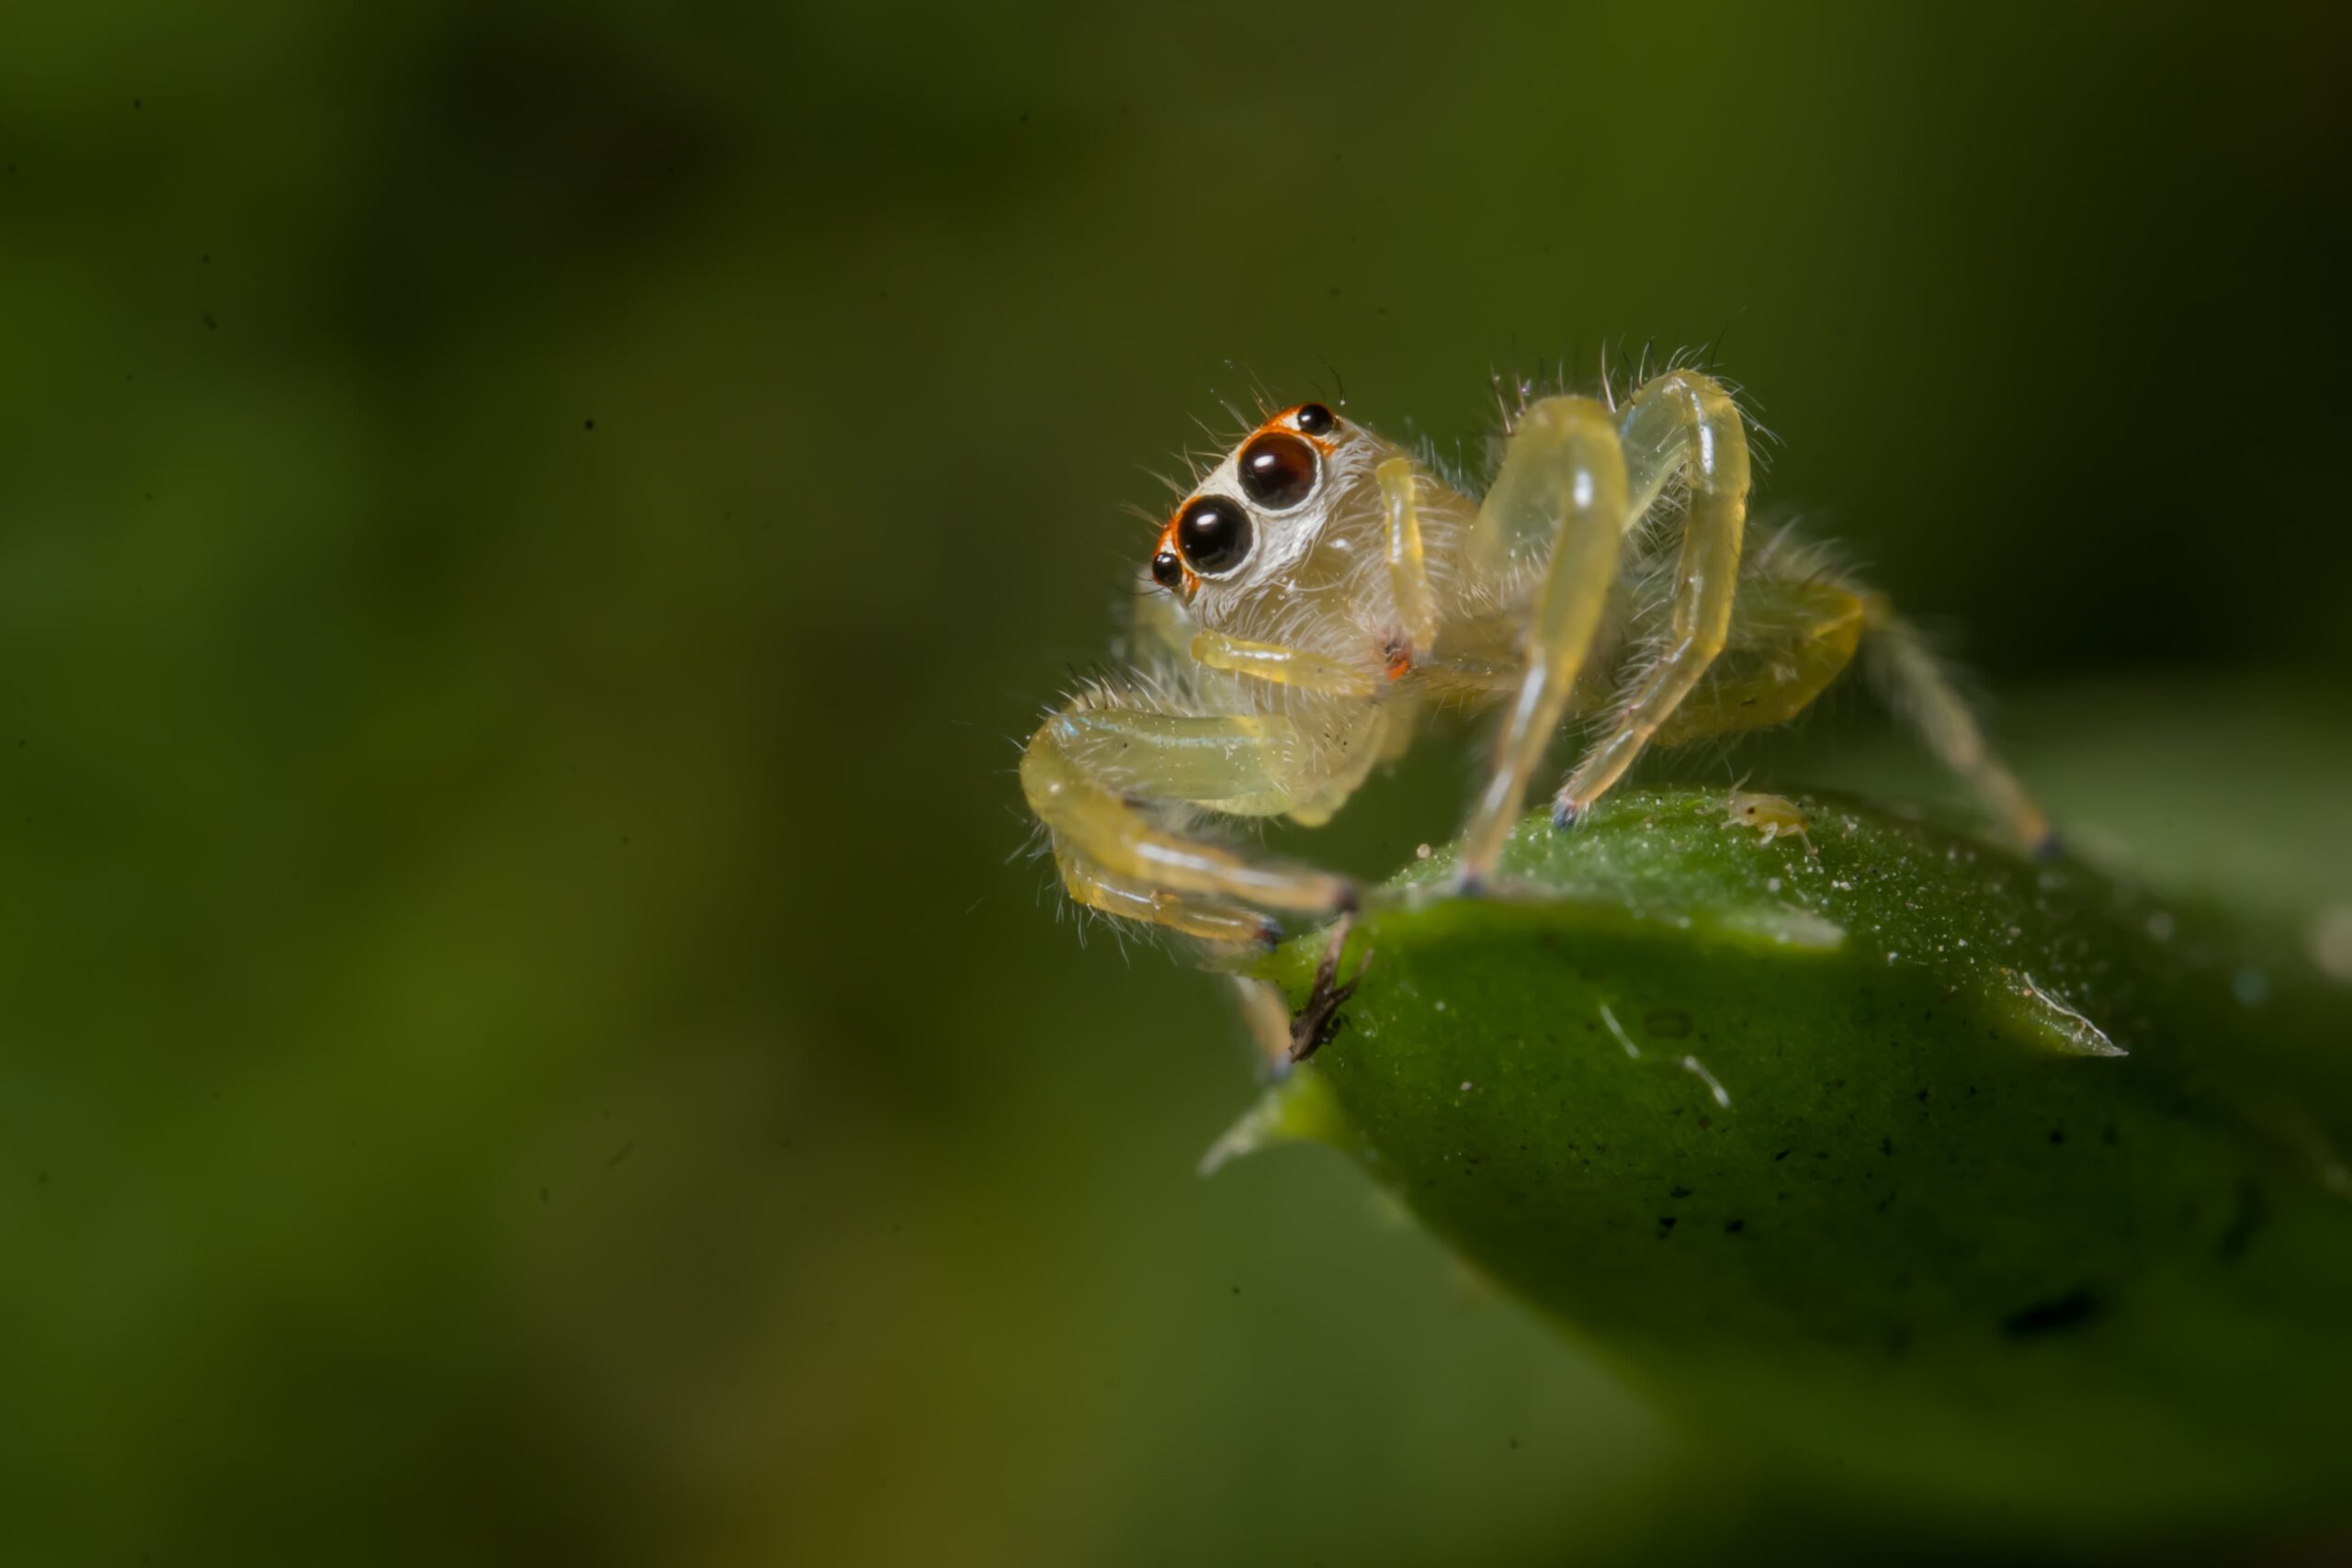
(1950, 1178)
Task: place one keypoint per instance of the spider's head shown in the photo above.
(1255, 514)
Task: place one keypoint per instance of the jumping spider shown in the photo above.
(1320, 589)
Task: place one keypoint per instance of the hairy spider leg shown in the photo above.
(1204, 917)
(1565, 471)
(1282, 666)
(1790, 637)
(1682, 423)
(1920, 692)
(1793, 635)
(1090, 772)
(1408, 579)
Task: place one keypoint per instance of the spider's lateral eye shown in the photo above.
(1277, 471)
(1316, 420)
(1166, 569)
(1214, 533)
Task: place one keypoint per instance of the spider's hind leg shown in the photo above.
(1791, 638)
(1797, 628)
(1921, 692)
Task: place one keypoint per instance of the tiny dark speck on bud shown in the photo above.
(587, 424)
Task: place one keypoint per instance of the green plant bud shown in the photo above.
(1950, 1178)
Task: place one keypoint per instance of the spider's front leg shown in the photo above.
(1680, 422)
(1092, 774)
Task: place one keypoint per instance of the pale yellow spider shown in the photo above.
(1320, 589)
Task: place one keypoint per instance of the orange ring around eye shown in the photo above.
(1167, 547)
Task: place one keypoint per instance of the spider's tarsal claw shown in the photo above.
(2047, 848)
(1566, 814)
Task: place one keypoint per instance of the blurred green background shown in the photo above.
(529, 535)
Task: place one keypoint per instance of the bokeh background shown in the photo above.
(530, 534)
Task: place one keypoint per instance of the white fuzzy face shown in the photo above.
(1257, 512)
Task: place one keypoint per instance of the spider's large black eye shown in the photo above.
(1277, 471)
(1316, 420)
(1214, 533)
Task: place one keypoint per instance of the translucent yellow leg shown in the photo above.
(1564, 468)
(1408, 581)
(1089, 771)
(1285, 666)
(1682, 421)
(1202, 918)
(1923, 694)
(1790, 639)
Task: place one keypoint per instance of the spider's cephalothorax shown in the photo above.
(1319, 587)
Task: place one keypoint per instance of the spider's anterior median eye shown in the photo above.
(1214, 533)
(1316, 420)
(1278, 471)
